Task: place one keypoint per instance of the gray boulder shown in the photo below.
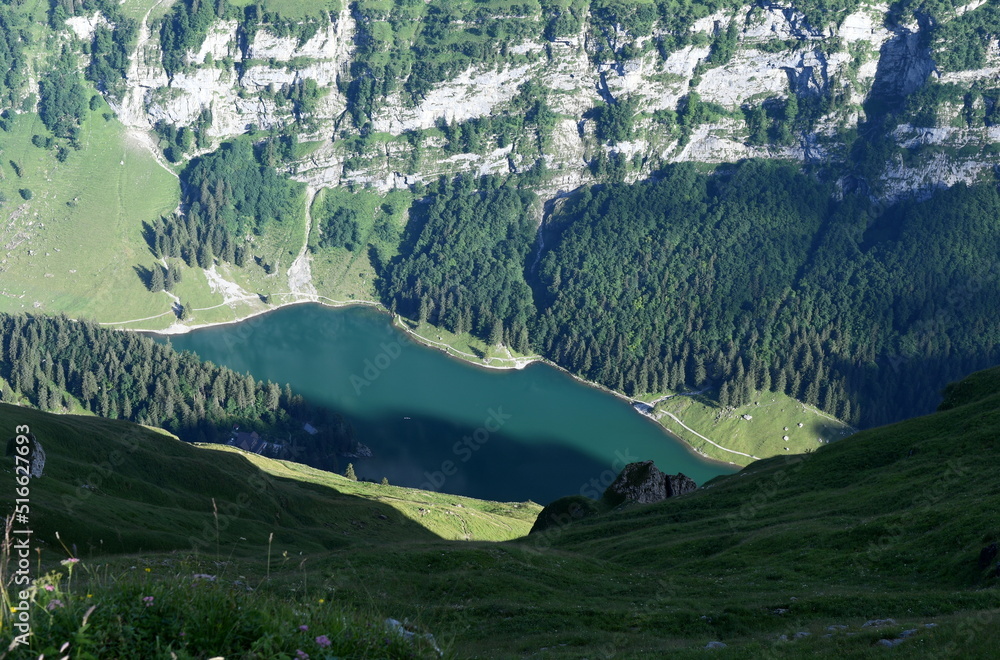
(643, 483)
(679, 484)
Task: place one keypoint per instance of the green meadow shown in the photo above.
(872, 541)
(74, 245)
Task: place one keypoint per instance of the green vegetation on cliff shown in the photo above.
(751, 279)
(231, 193)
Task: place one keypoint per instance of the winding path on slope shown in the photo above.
(714, 444)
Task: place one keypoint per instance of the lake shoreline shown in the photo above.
(398, 323)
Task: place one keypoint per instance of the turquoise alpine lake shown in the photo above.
(439, 423)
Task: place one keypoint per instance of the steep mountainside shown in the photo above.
(655, 83)
(660, 196)
(887, 538)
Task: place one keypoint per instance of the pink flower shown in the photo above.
(301, 655)
(54, 603)
(323, 641)
(49, 587)
(148, 600)
(71, 560)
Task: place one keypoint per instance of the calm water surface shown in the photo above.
(439, 423)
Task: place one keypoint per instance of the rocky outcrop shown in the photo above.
(36, 455)
(679, 484)
(644, 483)
(778, 53)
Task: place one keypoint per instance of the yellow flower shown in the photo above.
(90, 595)
(148, 570)
(321, 601)
(13, 609)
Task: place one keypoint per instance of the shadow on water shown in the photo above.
(438, 454)
(541, 434)
(113, 487)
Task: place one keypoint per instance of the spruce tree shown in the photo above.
(496, 333)
(156, 280)
(349, 472)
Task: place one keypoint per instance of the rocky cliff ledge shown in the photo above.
(639, 483)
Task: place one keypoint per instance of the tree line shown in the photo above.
(14, 36)
(758, 279)
(754, 278)
(462, 268)
(62, 99)
(230, 193)
(56, 363)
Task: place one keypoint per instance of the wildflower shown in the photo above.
(148, 600)
(70, 561)
(49, 587)
(13, 609)
(90, 595)
(149, 570)
(322, 600)
(204, 576)
(323, 641)
(54, 603)
(301, 655)
(303, 627)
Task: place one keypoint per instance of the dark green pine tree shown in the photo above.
(724, 394)
(496, 333)
(156, 279)
(204, 256)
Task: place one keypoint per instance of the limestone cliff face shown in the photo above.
(778, 53)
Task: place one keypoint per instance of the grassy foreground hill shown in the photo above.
(881, 539)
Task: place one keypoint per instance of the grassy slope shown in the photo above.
(886, 523)
(449, 516)
(124, 488)
(776, 416)
(75, 246)
(293, 9)
(93, 203)
(338, 273)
